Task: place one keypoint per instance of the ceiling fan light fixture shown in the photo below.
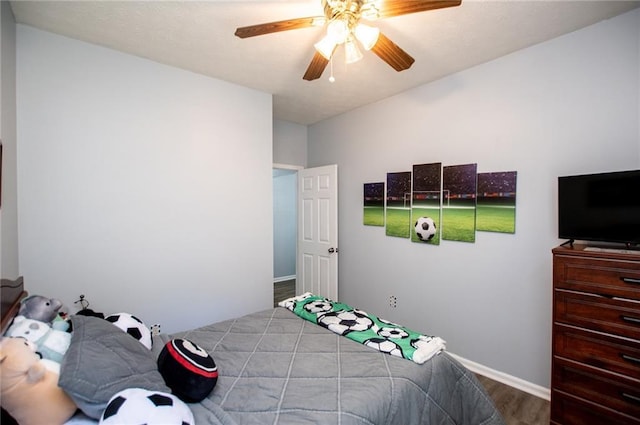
(367, 35)
(351, 51)
(342, 18)
(338, 30)
(326, 46)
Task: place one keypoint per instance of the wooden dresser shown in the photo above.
(596, 337)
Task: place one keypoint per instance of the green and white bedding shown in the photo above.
(365, 328)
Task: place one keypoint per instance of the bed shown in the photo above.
(277, 368)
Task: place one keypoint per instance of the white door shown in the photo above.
(318, 231)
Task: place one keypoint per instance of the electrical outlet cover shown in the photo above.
(155, 329)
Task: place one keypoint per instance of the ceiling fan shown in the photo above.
(343, 22)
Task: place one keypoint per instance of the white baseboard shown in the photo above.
(283, 278)
(512, 381)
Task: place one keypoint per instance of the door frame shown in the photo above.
(295, 168)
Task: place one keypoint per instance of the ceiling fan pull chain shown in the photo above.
(331, 77)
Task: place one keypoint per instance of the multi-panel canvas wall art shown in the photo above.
(373, 214)
(433, 202)
(426, 196)
(398, 211)
(459, 187)
(496, 204)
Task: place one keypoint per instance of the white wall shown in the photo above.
(566, 106)
(9, 210)
(141, 185)
(289, 143)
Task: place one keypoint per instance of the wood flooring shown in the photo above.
(517, 407)
(283, 290)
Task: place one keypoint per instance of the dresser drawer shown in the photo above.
(600, 276)
(618, 355)
(616, 316)
(569, 410)
(606, 389)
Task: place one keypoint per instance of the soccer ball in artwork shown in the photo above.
(140, 406)
(425, 228)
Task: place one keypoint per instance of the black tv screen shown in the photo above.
(600, 207)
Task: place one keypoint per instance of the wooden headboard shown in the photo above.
(12, 292)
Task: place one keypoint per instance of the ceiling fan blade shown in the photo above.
(389, 52)
(271, 27)
(390, 8)
(316, 67)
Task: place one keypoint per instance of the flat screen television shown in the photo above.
(600, 207)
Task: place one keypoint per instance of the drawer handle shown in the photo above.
(629, 358)
(630, 319)
(631, 397)
(630, 280)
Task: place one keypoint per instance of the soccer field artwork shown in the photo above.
(459, 186)
(496, 203)
(373, 214)
(398, 211)
(436, 202)
(426, 199)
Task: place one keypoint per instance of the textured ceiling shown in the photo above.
(199, 36)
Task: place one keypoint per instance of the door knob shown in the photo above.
(332, 250)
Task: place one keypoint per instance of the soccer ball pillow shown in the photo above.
(133, 326)
(187, 369)
(425, 228)
(135, 406)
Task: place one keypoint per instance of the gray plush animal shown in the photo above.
(40, 308)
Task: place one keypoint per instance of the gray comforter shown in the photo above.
(276, 368)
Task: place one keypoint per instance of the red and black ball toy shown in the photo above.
(188, 370)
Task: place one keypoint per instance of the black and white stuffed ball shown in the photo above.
(187, 369)
(133, 326)
(136, 406)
